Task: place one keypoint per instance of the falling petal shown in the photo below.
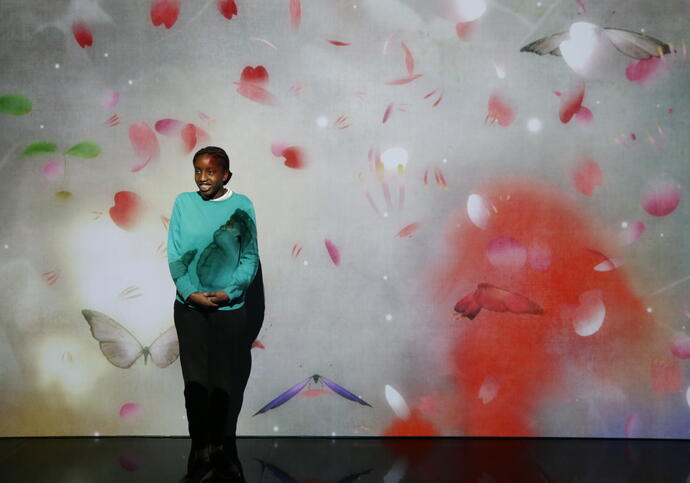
(581, 4)
(680, 347)
(387, 114)
(258, 345)
(333, 252)
(661, 197)
(338, 43)
(477, 209)
(255, 93)
(295, 157)
(489, 389)
(169, 127)
(506, 253)
(295, 13)
(264, 41)
(584, 115)
(464, 30)
(643, 71)
(277, 148)
(499, 110)
(111, 99)
(587, 176)
(588, 317)
(539, 257)
(82, 34)
(409, 59)
(164, 12)
(257, 75)
(632, 233)
(408, 230)
(404, 80)
(53, 170)
(50, 277)
(189, 137)
(15, 104)
(129, 410)
(113, 120)
(227, 8)
(127, 209)
(571, 103)
(397, 402)
(145, 144)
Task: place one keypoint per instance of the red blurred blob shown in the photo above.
(518, 350)
(127, 209)
(464, 30)
(227, 8)
(587, 176)
(82, 34)
(495, 299)
(189, 139)
(294, 157)
(414, 425)
(165, 12)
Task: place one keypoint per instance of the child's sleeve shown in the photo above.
(178, 262)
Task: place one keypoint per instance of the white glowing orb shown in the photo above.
(389, 317)
(500, 70)
(468, 10)
(322, 121)
(534, 125)
(478, 210)
(394, 159)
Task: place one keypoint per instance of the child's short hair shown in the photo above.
(216, 153)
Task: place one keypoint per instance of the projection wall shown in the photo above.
(473, 232)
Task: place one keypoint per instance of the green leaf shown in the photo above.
(84, 149)
(40, 147)
(15, 104)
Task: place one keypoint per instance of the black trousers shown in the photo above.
(216, 360)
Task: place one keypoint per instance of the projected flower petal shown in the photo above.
(333, 252)
(256, 75)
(82, 34)
(408, 230)
(189, 137)
(111, 99)
(52, 170)
(255, 93)
(489, 389)
(588, 317)
(680, 347)
(632, 233)
(227, 8)
(478, 210)
(632, 426)
(661, 198)
(506, 253)
(295, 157)
(500, 110)
(571, 103)
(169, 127)
(277, 148)
(164, 12)
(584, 115)
(587, 176)
(643, 71)
(295, 13)
(129, 410)
(127, 209)
(145, 144)
(539, 256)
(397, 402)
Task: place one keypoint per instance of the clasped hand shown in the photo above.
(209, 300)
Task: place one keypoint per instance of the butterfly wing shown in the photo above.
(341, 391)
(118, 344)
(165, 349)
(284, 397)
(547, 45)
(636, 45)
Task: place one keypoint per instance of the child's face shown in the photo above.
(210, 175)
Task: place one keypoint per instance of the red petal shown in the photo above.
(661, 198)
(404, 80)
(409, 60)
(294, 157)
(126, 210)
(188, 135)
(408, 230)
(82, 34)
(295, 13)
(500, 110)
(169, 127)
(165, 12)
(643, 71)
(256, 93)
(571, 103)
(338, 43)
(145, 144)
(387, 114)
(227, 8)
(257, 75)
(464, 30)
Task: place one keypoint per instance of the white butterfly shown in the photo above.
(122, 349)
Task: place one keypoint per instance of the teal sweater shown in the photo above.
(212, 246)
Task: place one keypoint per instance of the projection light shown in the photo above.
(394, 160)
(322, 121)
(534, 125)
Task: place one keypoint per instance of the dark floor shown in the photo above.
(77, 460)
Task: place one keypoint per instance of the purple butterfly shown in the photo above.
(297, 388)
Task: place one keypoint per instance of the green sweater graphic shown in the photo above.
(212, 246)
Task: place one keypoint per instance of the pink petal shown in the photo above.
(129, 410)
(277, 148)
(584, 115)
(500, 110)
(189, 138)
(295, 13)
(477, 209)
(643, 71)
(586, 176)
(680, 347)
(404, 80)
(581, 4)
(632, 233)
(111, 99)
(169, 127)
(464, 29)
(144, 142)
(333, 252)
(506, 253)
(315, 392)
(661, 197)
(409, 60)
(408, 230)
(52, 170)
(255, 93)
(338, 43)
(387, 114)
